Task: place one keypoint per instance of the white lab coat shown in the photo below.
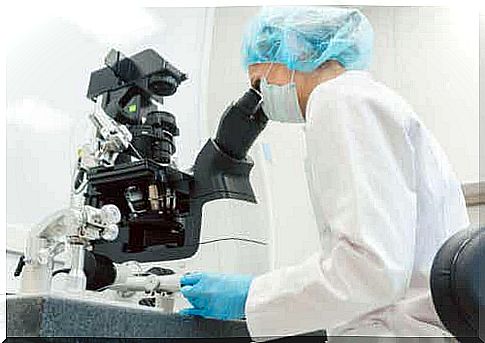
(385, 198)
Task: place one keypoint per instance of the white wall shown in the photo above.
(430, 56)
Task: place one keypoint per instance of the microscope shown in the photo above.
(130, 202)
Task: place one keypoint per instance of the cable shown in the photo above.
(230, 239)
(109, 286)
(64, 270)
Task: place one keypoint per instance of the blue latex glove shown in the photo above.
(220, 296)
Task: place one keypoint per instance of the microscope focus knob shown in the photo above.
(110, 214)
(110, 232)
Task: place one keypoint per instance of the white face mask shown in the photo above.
(280, 103)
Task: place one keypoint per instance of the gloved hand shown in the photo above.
(220, 296)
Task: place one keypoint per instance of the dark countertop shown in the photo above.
(54, 316)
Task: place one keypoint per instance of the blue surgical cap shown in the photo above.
(303, 38)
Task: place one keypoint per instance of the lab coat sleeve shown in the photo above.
(361, 181)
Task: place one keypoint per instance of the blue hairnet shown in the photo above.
(303, 38)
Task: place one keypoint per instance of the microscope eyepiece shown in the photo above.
(163, 85)
(250, 101)
(241, 124)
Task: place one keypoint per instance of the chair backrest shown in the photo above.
(457, 284)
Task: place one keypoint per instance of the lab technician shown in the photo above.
(383, 192)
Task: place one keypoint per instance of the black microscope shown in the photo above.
(160, 206)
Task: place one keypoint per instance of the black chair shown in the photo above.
(457, 284)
